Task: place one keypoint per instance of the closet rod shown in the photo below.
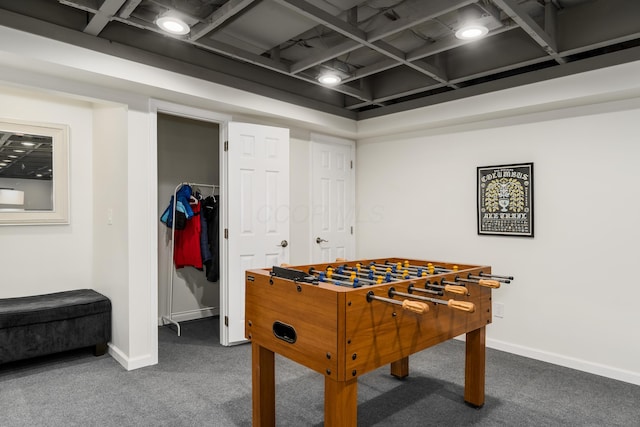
(170, 318)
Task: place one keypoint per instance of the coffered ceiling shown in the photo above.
(391, 55)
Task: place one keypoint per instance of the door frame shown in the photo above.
(164, 107)
(318, 138)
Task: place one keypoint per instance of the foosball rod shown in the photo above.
(363, 279)
(487, 283)
(503, 279)
(412, 306)
(324, 279)
(467, 306)
(338, 282)
(454, 289)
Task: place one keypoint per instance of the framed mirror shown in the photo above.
(34, 173)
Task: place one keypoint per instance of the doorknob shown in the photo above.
(284, 244)
(319, 240)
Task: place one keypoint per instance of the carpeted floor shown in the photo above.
(197, 382)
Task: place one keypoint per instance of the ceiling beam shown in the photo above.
(251, 58)
(102, 17)
(242, 55)
(331, 53)
(216, 46)
(611, 22)
(354, 33)
(447, 43)
(526, 22)
(432, 9)
(217, 18)
(128, 7)
(456, 81)
(424, 51)
(384, 99)
(91, 6)
(378, 67)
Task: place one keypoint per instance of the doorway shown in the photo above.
(188, 155)
(197, 302)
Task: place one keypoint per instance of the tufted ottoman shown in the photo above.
(44, 324)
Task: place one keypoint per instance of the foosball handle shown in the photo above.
(467, 306)
(460, 290)
(487, 283)
(415, 306)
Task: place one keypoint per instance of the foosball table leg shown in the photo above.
(400, 368)
(263, 387)
(475, 367)
(340, 403)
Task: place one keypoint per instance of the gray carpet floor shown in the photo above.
(197, 382)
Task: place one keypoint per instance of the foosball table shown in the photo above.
(347, 318)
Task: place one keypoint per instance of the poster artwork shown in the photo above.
(505, 200)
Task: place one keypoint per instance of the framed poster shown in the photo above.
(505, 200)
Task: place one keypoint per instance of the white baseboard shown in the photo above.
(130, 363)
(184, 316)
(567, 362)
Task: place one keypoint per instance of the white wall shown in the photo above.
(142, 260)
(573, 301)
(300, 184)
(110, 222)
(51, 258)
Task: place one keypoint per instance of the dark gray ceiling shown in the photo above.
(393, 55)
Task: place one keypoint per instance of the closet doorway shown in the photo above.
(252, 172)
(188, 154)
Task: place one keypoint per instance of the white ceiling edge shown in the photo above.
(39, 62)
(604, 85)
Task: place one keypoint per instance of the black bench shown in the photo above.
(44, 324)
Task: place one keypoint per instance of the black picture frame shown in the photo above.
(505, 200)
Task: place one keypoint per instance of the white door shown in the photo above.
(332, 198)
(257, 214)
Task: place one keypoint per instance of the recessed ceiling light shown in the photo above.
(18, 151)
(173, 25)
(329, 79)
(470, 32)
(28, 144)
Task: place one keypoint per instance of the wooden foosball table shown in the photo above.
(345, 319)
